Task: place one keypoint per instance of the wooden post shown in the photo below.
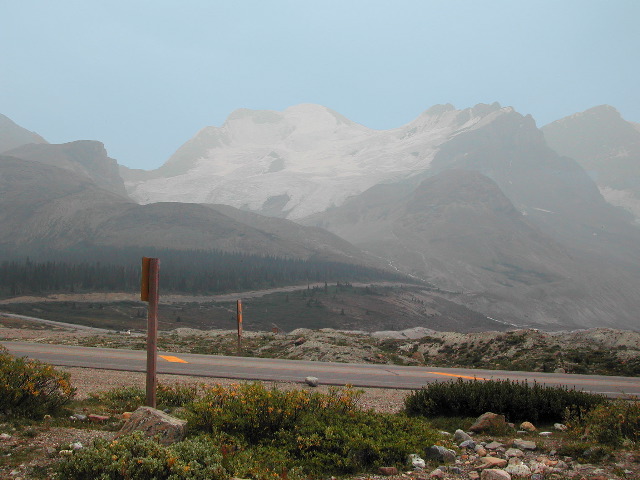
(151, 268)
(239, 317)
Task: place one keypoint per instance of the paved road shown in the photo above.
(361, 375)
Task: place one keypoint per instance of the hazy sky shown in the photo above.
(144, 76)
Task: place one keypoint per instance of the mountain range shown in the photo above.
(526, 225)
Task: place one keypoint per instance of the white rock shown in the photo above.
(518, 471)
(5, 436)
(416, 461)
(312, 381)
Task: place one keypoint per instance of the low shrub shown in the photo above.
(518, 401)
(320, 433)
(612, 424)
(129, 398)
(29, 388)
(136, 457)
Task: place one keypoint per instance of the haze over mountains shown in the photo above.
(474, 201)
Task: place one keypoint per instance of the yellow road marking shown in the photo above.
(458, 376)
(170, 358)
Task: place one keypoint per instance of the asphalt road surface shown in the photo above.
(360, 375)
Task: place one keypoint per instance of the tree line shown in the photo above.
(193, 272)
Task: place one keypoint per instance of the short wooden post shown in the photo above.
(239, 317)
(150, 293)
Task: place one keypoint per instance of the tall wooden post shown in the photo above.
(239, 316)
(150, 293)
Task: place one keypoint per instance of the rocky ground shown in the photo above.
(596, 351)
(28, 450)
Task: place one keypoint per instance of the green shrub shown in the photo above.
(129, 398)
(612, 424)
(136, 457)
(31, 388)
(518, 401)
(320, 433)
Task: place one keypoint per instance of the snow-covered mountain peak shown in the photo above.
(304, 159)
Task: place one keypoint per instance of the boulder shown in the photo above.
(461, 436)
(524, 444)
(518, 470)
(527, 427)
(388, 471)
(489, 421)
(155, 423)
(494, 474)
(440, 454)
(492, 462)
(312, 381)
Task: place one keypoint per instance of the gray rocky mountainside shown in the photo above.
(42, 206)
(607, 146)
(13, 135)
(459, 231)
(84, 157)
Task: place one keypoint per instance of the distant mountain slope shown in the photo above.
(300, 161)
(460, 232)
(49, 207)
(607, 146)
(13, 135)
(84, 157)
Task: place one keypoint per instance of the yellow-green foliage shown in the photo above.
(129, 398)
(250, 431)
(31, 388)
(319, 433)
(612, 424)
(136, 457)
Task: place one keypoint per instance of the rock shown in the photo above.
(95, 418)
(440, 454)
(154, 423)
(559, 426)
(514, 452)
(312, 381)
(437, 473)
(473, 475)
(488, 421)
(79, 416)
(461, 436)
(493, 445)
(5, 436)
(492, 462)
(518, 471)
(388, 471)
(546, 434)
(299, 341)
(559, 370)
(480, 450)
(416, 461)
(456, 470)
(125, 415)
(527, 427)
(65, 453)
(76, 446)
(494, 474)
(539, 468)
(470, 444)
(524, 444)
